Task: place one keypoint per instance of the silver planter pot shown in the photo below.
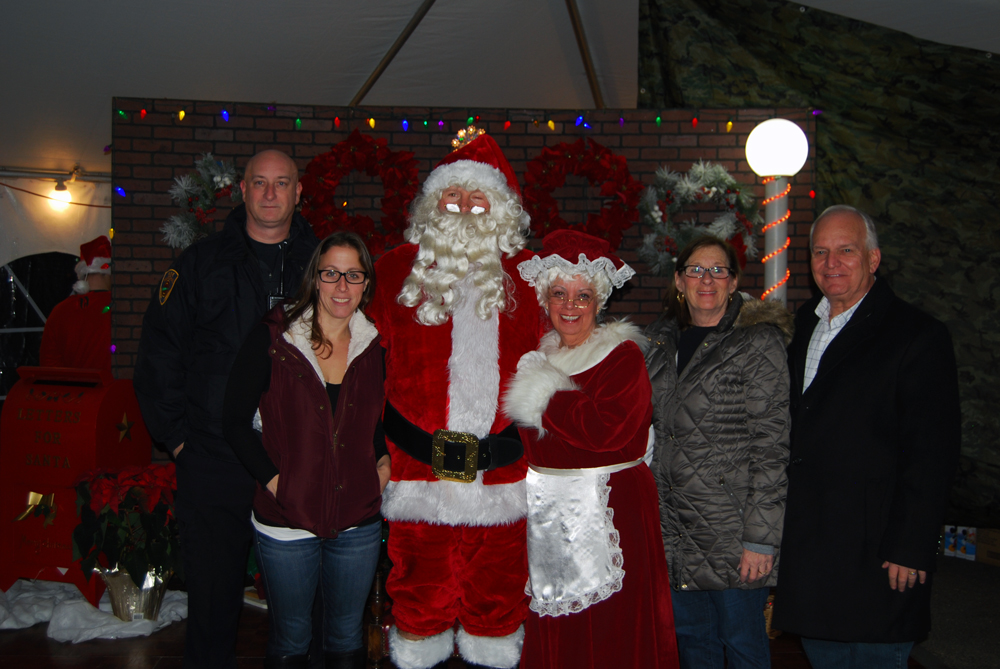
(129, 602)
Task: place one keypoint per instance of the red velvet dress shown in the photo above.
(603, 423)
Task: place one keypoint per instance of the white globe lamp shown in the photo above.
(776, 149)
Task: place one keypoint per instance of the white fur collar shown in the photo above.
(362, 334)
(539, 377)
(601, 342)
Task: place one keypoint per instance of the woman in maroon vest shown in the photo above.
(302, 412)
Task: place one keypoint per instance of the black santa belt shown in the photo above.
(453, 456)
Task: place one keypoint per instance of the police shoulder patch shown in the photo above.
(167, 284)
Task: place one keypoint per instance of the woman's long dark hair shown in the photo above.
(673, 307)
(307, 296)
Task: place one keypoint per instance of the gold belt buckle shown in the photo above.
(471, 443)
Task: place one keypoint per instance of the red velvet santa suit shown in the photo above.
(458, 549)
(78, 333)
(593, 403)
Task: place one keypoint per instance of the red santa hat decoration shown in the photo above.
(95, 258)
(476, 162)
(593, 258)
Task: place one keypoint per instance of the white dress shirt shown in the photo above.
(826, 329)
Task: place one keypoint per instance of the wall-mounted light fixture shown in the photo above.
(61, 196)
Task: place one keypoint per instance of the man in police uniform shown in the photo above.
(207, 302)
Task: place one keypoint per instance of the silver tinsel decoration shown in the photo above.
(198, 191)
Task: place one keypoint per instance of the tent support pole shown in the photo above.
(588, 64)
(393, 50)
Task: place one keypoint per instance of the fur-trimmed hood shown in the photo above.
(543, 373)
(745, 311)
(769, 312)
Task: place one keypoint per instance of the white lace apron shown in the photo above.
(574, 559)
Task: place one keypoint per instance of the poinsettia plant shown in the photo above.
(127, 520)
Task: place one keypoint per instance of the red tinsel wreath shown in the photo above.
(362, 153)
(599, 165)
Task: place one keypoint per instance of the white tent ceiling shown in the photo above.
(63, 60)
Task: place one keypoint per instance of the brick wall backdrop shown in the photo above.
(150, 149)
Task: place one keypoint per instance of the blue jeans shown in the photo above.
(715, 624)
(292, 571)
(850, 655)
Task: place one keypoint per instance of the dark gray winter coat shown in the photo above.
(722, 432)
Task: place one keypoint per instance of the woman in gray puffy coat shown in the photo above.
(717, 363)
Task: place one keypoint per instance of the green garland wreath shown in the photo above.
(705, 183)
(599, 165)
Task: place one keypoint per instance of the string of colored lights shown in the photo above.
(788, 273)
(577, 118)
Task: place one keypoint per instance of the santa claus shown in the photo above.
(78, 331)
(455, 318)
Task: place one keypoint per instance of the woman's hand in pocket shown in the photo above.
(384, 468)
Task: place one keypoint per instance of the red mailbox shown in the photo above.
(58, 423)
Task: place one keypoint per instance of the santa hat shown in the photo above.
(593, 256)
(95, 258)
(476, 160)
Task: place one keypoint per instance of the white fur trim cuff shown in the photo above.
(536, 381)
(97, 266)
(420, 654)
(466, 173)
(502, 652)
(453, 503)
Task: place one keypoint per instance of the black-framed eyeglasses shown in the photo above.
(580, 301)
(697, 271)
(333, 276)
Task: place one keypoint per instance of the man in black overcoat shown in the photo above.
(875, 440)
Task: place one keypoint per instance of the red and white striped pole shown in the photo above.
(776, 239)
(776, 149)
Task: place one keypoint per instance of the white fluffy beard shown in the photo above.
(453, 246)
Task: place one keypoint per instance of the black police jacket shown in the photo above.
(203, 309)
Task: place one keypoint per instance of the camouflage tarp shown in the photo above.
(909, 132)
